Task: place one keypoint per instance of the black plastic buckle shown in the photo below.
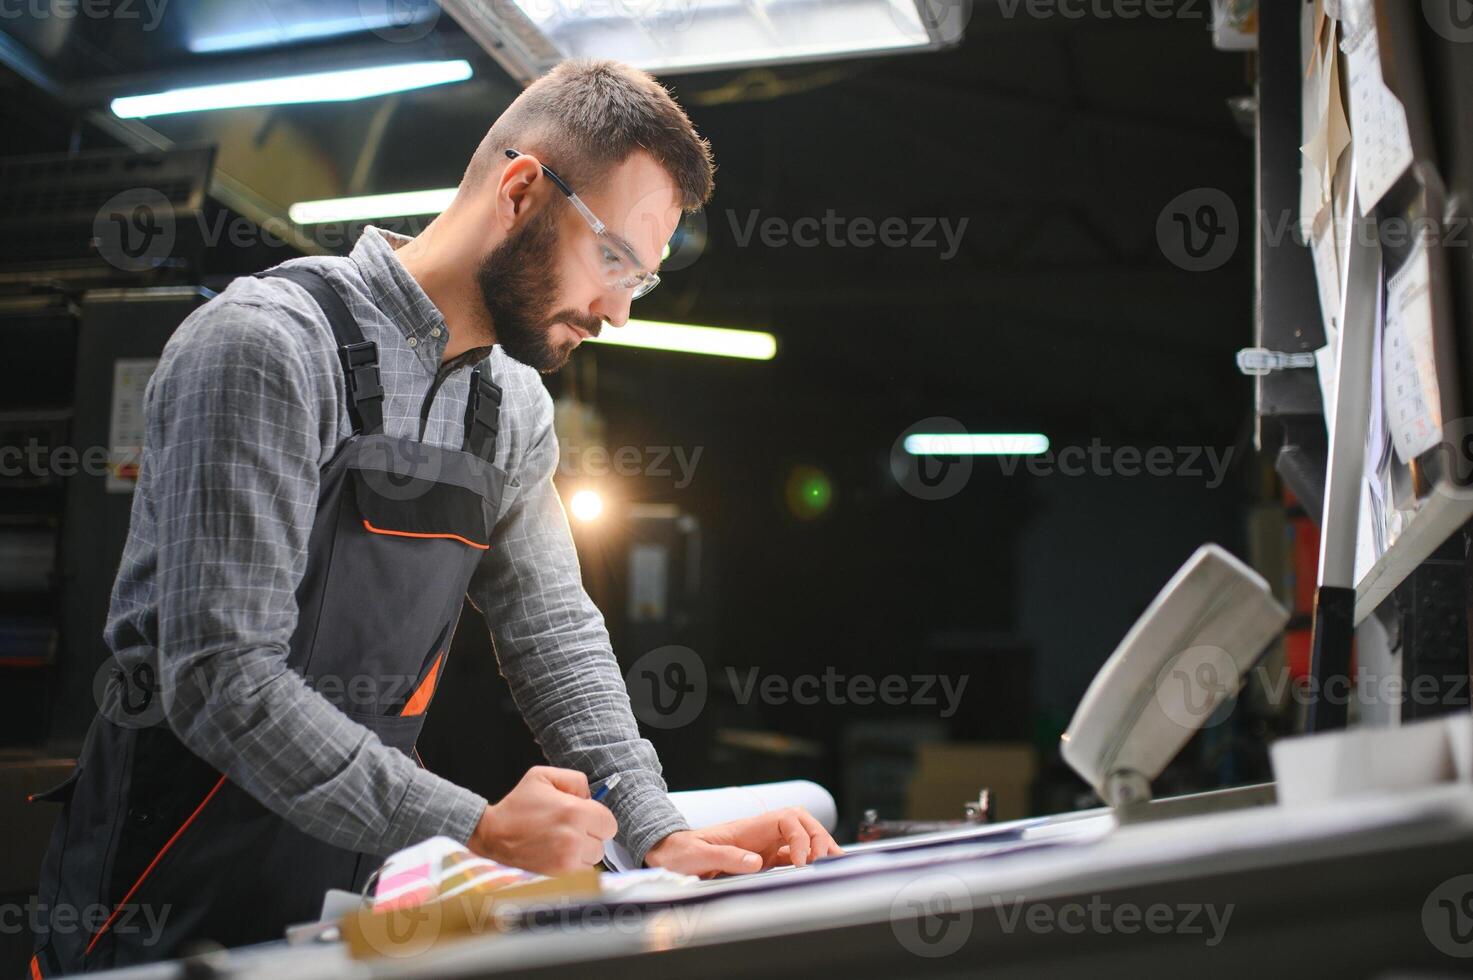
(482, 416)
(360, 368)
(486, 404)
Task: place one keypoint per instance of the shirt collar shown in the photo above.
(396, 293)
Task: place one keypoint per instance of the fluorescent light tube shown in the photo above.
(327, 86)
(711, 33)
(371, 206)
(690, 339)
(277, 33)
(976, 444)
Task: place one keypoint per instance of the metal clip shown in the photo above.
(1258, 361)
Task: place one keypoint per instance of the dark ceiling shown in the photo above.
(1059, 145)
(1057, 140)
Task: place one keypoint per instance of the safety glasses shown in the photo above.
(619, 266)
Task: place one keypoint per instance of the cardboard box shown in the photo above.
(950, 774)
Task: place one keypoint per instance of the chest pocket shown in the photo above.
(421, 509)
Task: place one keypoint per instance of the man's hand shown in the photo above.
(546, 824)
(789, 836)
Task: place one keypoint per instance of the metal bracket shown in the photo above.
(1258, 361)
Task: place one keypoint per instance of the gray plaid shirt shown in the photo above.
(245, 408)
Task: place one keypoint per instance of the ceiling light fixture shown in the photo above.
(326, 86)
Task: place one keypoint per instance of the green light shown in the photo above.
(809, 492)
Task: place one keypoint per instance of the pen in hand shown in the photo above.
(603, 790)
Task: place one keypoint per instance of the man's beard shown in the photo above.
(519, 284)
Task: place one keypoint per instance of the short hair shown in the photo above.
(587, 116)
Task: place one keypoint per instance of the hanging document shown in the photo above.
(1378, 121)
(1413, 401)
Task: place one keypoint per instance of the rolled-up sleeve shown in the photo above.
(232, 452)
(554, 649)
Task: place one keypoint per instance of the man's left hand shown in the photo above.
(788, 836)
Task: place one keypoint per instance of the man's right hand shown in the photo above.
(546, 824)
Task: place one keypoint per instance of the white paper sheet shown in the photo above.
(1326, 132)
(1413, 399)
(127, 422)
(1061, 832)
(1378, 120)
(707, 806)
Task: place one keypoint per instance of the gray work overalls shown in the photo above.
(399, 529)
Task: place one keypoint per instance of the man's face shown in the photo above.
(545, 286)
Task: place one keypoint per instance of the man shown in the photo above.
(337, 452)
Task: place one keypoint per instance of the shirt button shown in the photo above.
(413, 341)
(435, 332)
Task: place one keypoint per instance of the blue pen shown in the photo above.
(602, 791)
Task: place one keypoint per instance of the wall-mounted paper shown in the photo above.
(1378, 121)
(1326, 132)
(1413, 399)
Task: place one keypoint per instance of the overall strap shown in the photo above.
(482, 416)
(359, 356)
